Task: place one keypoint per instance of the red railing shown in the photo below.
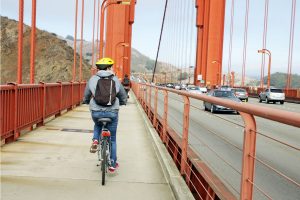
(200, 174)
(24, 105)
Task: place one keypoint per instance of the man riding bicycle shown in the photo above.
(100, 86)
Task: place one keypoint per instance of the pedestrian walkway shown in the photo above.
(53, 162)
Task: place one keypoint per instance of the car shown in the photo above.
(225, 87)
(170, 85)
(193, 89)
(203, 89)
(224, 94)
(177, 86)
(240, 93)
(183, 86)
(272, 95)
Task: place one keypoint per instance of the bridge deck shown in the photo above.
(53, 163)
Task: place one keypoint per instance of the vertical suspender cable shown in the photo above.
(291, 45)
(98, 21)
(81, 41)
(245, 43)
(230, 41)
(161, 31)
(191, 41)
(186, 39)
(20, 41)
(172, 40)
(264, 43)
(93, 46)
(75, 41)
(181, 38)
(32, 49)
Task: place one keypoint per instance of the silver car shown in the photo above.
(272, 95)
(240, 93)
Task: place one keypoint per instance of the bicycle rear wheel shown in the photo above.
(104, 160)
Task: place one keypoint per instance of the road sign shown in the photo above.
(199, 77)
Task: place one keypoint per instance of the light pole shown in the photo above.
(120, 67)
(269, 65)
(124, 44)
(103, 7)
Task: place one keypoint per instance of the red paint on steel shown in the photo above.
(248, 164)
(103, 6)
(20, 41)
(184, 145)
(81, 41)
(33, 42)
(165, 117)
(209, 40)
(93, 43)
(75, 41)
(24, 105)
(204, 181)
(155, 107)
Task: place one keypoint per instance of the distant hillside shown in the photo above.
(139, 62)
(54, 58)
(278, 80)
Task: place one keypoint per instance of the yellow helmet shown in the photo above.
(104, 63)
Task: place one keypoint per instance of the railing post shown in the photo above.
(149, 102)
(72, 94)
(165, 119)
(184, 145)
(43, 104)
(155, 108)
(60, 99)
(16, 132)
(249, 149)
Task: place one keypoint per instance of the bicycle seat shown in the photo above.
(107, 120)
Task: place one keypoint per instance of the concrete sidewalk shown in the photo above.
(54, 163)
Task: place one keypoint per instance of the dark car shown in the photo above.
(224, 94)
(240, 93)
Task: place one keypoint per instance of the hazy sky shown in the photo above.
(58, 16)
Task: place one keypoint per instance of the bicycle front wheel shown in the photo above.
(104, 160)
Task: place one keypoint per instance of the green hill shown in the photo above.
(278, 80)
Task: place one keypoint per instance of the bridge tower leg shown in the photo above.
(210, 31)
(119, 31)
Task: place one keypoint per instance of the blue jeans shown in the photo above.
(112, 127)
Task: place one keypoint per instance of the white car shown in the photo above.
(194, 89)
(272, 95)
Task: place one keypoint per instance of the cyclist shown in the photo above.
(104, 67)
(127, 84)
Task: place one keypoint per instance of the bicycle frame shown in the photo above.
(104, 151)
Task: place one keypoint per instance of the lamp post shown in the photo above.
(120, 67)
(266, 51)
(104, 5)
(124, 44)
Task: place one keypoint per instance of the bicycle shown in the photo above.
(104, 148)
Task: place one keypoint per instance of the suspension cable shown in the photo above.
(264, 43)
(161, 31)
(98, 21)
(93, 34)
(245, 43)
(230, 41)
(75, 41)
(291, 45)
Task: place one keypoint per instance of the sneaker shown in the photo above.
(94, 146)
(113, 169)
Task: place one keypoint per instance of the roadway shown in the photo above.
(218, 139)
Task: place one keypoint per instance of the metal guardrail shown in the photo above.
(201, 179)
(24, 105)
